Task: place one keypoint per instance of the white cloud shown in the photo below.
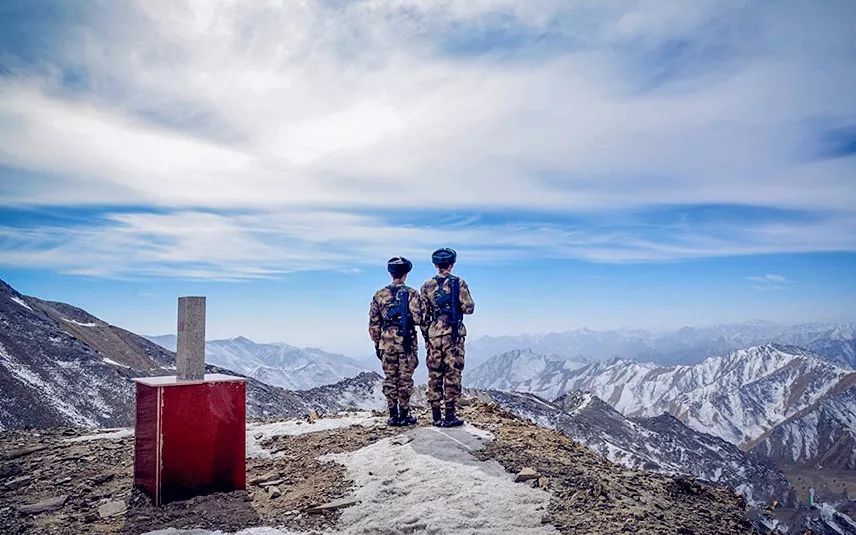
(332, 112)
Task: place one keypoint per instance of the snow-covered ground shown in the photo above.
(258, 433)
(20, 301)
(427, 481)
(109, 434)
(80, 323)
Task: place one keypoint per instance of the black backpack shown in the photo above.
(397, 313)
(448, 304)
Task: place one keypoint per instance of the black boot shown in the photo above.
(404, 416)
(436, 416)
(451, 420)
(393, 416)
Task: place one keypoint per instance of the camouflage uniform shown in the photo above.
(445, 354)
(397, 355)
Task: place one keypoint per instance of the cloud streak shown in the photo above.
(207, 245)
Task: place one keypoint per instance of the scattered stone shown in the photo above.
(543, 482)
(101, 479)
(312, 417)
(401, 440)
(334, 505)
(20, 452)
(44, 506)
(526, 474)
(271, 483)
(63, 480)
(274, 492)
(258, 435)
(112, 508)
(17, 482)
(10, 470)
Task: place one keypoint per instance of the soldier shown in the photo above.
(446, 298)
(395, 312)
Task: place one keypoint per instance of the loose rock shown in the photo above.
(525, 475)
(44, 506)
(332, 506)
(112, 509)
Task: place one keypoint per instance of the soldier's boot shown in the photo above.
(394, 416)
(404, 416)
(436, 415)
(451, 420)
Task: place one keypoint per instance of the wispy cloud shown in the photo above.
(238, 113)
(194, 244)
(770, 281)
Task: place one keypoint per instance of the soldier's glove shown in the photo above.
(377, 352)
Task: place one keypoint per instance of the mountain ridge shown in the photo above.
(277, 364)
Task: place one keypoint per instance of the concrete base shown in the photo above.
(190, 436)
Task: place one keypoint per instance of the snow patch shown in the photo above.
(299, 427)
(109, 435)
(114, 363)
(81, 324)
(434, 483)
(21, 302)
(836, 520)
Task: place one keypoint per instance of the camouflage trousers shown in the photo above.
(398, 370)
(445, 363)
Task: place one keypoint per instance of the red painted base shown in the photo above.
(190, 436)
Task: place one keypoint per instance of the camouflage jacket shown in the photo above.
(442, 327)
(388, 338)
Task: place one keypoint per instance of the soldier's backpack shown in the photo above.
(448, 304)
(397, 313)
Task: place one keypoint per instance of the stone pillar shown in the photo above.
(190, 350)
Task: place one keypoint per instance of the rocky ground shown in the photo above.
(61, 481)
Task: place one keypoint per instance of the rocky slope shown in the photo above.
(660, 444)
(278, 364)
(687, 345)
(60, 366)
(737, 397)
(822, 435)
(455, 480)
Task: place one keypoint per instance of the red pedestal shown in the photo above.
(190, 436)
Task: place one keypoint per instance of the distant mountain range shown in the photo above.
(688, 345)
(737, 397)
(276, 364)
(61, 366)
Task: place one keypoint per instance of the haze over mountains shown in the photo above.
(687, 345)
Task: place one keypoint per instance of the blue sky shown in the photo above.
(595, 164)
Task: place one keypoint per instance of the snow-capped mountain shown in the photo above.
(822, 435)
(737, 397)
(687, 345)
(61, 366)
(278, 364)
(660, 444)
(525, 370)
